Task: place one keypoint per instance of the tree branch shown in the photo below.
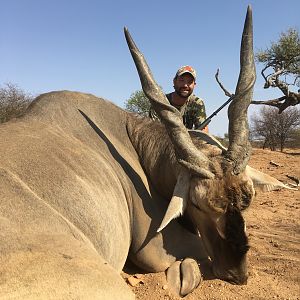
(282, 86)
(291, 100)
(295, 81)
(221, 85)
(273, 102)
(271, 79)
(267, 84)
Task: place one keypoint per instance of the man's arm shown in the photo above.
(200, 114)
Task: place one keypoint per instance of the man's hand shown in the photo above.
(205, 129)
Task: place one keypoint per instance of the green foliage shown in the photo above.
(283, 54)
(138, 103)
(13, 102)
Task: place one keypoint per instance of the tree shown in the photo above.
(282, 61)
(296, 138)
(13, 101)
(276, 130)
(138, 103)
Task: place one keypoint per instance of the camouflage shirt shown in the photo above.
(193, 111)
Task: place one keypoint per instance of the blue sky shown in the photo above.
(79, 45)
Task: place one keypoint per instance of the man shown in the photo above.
(191, 107)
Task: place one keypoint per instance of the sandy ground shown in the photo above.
(273, 226)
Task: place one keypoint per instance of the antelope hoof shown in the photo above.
(183, 277)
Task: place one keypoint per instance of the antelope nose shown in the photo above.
(241, 280)
(244, 281)
(237, 279)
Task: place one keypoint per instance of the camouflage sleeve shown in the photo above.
(200, 112)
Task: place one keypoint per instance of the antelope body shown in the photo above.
(86, 186)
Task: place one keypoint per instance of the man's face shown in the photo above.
(184, 85)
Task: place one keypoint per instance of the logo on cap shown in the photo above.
(186, 69)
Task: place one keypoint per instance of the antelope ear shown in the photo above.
(265, 182)
(179, 199)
